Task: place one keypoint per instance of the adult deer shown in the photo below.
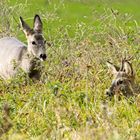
(123, 81)
(14, 54)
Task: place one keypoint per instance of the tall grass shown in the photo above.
(72, 104)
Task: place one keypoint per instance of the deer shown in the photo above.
(123, 81)
(15, 55)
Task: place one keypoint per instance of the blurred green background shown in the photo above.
(71, 11)
(61, 13)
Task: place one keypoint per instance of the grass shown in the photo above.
(72, 104)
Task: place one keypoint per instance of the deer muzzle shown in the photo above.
(43, 57)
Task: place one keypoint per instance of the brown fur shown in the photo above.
(123, 80)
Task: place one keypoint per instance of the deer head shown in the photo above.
(123, 79)
(35, 39)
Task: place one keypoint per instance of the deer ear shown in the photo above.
(26, 29)
(127, 68)
(37, 24)
(113, 69)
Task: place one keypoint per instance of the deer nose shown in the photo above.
(43, 56)
(109, 93)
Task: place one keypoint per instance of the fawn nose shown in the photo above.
(43, 57)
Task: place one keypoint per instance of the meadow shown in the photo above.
(71, 102)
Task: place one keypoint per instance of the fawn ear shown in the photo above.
(26, 29)
(113, 69)
(127, 68)
(37, 24)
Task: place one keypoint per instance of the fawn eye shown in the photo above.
(119, 82)
(33, 42)
(45, 41)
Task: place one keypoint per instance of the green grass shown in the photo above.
(59, 13)
(72, 103)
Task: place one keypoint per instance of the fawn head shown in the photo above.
(123, 79)
(35, 39)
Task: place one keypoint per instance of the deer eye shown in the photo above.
(119, 82)
(45, 41)
(33, 42)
